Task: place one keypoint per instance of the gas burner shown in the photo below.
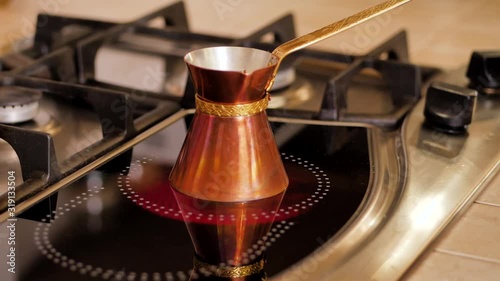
(294, 96)
(43, 122)
(18, 104)
(284, 78)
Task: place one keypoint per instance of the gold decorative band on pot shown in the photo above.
(229, 271)
(231, 110)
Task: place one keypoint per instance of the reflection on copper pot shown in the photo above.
(230, 233)
(208, 272)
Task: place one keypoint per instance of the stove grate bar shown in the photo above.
(87, 48)
(112, 106)
(58, 65)
(179, 35)
(35, 151)
(403, 80)
(140, 96)
(282, 30)
(49, 31)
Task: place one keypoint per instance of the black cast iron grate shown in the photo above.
(61, 62)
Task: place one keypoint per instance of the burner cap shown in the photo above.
(286, 73)
(284, 78)
(18, 104)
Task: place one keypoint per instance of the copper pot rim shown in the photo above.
(272, 63)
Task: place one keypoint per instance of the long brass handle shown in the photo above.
(318, 35)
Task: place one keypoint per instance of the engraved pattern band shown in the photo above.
(229, 271)
(231, 110)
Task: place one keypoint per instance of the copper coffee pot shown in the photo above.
(229, 165)
(229, 154)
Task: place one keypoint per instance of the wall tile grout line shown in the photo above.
(487, 203)
(469, 256)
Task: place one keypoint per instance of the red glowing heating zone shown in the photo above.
(152, 192)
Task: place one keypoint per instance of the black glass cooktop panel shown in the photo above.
(127, 226)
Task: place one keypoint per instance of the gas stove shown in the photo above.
(381, 154)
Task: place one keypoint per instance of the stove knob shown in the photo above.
(484, 70)
(449, 108)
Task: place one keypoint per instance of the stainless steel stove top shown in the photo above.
(115, 108)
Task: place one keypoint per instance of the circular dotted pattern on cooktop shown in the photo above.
(42, 241)
(322, 188)
(258, 248)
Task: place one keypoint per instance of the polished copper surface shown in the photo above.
(228, 232)
(229, 159)
(226, 79)
(229, 166)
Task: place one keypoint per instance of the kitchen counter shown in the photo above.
(441, 33)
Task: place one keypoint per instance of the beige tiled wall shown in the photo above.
(441, 32)
(470, 248)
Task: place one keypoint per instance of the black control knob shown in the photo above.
(449, 108)
(484, 70)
